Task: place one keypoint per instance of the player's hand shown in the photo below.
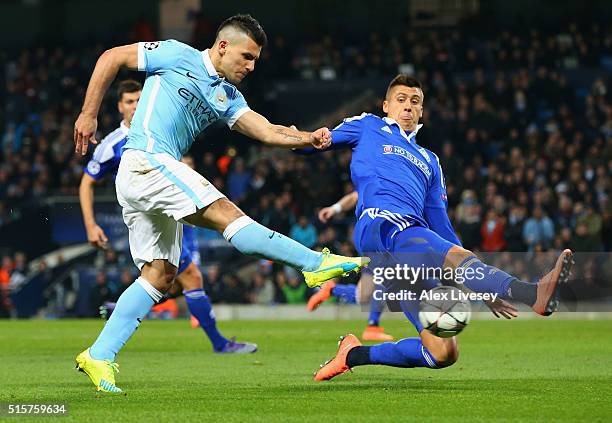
(321, 138)
(97, 237)
(326, 213)
(84, 133)
(501, 308)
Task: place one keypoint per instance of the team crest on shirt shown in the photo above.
(151, 45)
(221, 97)
(93, 167)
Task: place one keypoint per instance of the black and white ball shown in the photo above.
(443, 313)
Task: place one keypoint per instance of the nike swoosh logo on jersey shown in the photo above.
(190, 75)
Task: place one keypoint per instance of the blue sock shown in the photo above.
(484, 278)
(376, 307)
(251, 238)
(132, 307)
(374, 318)
(346, 293)
(199, 306)
(408, 352)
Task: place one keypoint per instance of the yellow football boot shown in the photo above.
(101, 372)
(334, 266)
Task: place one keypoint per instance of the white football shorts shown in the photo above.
(156, 191)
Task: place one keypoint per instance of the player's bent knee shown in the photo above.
(217, 215)
(456, 255)
(444, 350)
(447, 357)
(160, 274)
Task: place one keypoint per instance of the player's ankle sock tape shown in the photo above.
(482, 277)
(251, 238)
(358, 356)
(409, 352)
(376, 309)
(200, 307)
(238, 224)
(523, 291)
(347, 293)
(150, 289)
(374, 318)
(132, 307)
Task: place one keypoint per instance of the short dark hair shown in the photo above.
(128, 86)
(249, 25)
(405, 80)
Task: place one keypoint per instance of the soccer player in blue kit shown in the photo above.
(105, 161)
(185, 91)
(401, 212)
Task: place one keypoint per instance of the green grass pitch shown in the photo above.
(532, 370)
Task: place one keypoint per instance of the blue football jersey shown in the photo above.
(107, 155)
(391, 172)
(182, 95)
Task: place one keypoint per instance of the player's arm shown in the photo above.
(346, 203)
(104, 73)
(436, 208)
(95, 234)
(256, 126)
(346, 135)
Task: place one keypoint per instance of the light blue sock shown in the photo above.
(132, 307)
(408, 352)
(251, 238)
(346, 293)
(199, 305)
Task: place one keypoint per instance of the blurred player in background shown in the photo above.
(352, 294)
(105, 160)
(185, 91)
(401, 213)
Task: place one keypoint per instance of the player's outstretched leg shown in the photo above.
(200, 307)
(375, 332)
(425, 351)
(406, 353)
(251, 238)
(542, 297)
(418, 246)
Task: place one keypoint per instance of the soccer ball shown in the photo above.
(443, 312)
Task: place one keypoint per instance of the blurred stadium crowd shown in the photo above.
(527, 152)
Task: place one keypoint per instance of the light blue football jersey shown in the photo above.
(182, 95)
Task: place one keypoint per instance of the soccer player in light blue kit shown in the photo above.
(185, 91)
(401, 213)
(105, 161)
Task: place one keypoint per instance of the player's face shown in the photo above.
(127, 105)
(405, 106)
(238, 58)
